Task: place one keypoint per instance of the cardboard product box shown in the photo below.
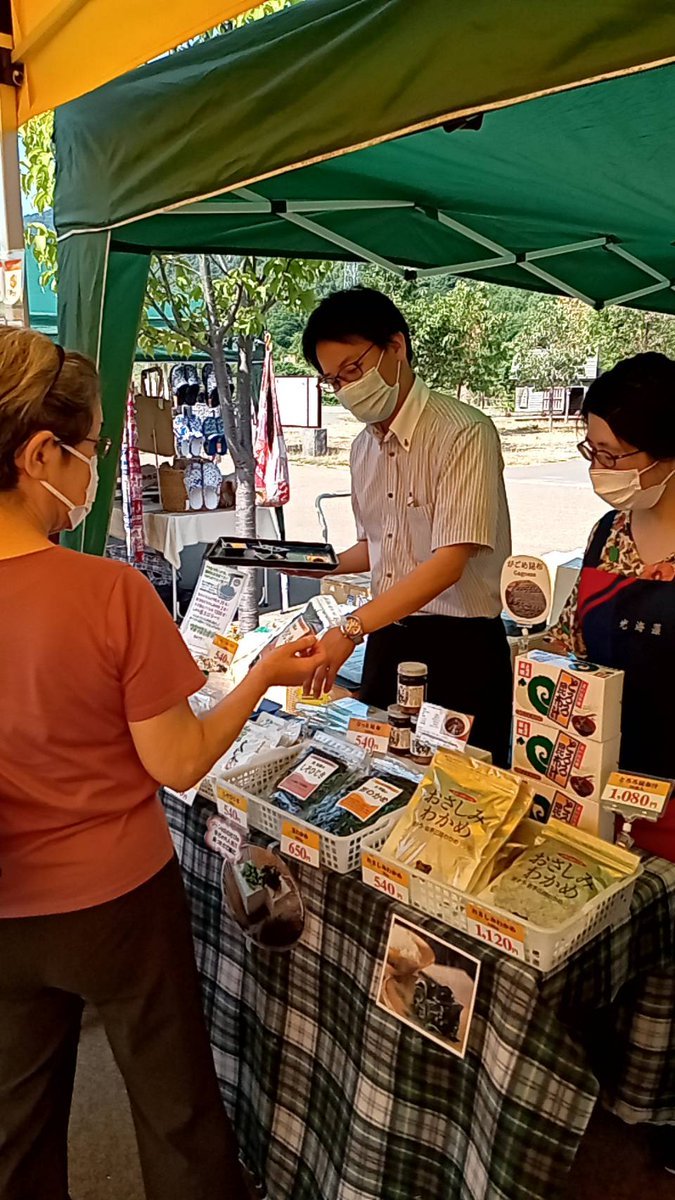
(547, 754)
(573, 695)
(351, 590)
(588, 815)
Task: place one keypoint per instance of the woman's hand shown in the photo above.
(293, 664)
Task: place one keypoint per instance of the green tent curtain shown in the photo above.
(326, 131)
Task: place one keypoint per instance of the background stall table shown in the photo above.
(331, 1097)
(170, 533)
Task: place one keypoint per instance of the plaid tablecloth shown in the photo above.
(334, 1099)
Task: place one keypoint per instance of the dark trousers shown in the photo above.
(469, 671)
(133, 959)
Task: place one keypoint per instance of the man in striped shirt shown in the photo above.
(431, 517)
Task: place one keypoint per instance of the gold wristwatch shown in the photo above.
(353, 629)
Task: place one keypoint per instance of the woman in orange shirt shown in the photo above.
(94, 715)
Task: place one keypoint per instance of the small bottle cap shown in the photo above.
(413, 668)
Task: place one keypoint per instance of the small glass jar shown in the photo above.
(412, 686)
(420, 751)
(400, 731)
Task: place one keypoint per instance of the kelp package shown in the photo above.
(326, 769)
(459, 817)
(558, 874)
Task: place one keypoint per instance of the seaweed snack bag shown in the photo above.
(460, 815)
(324, 771)
(554, 879)
(367, 799)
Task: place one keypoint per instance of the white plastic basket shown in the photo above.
(255, 781)
(544, 949)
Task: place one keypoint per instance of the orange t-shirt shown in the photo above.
(86, 646)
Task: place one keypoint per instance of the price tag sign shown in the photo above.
(371, 735)
(187, 797)
(393, 881)
(301, 844)
(526, 590)
(499, 932)
(232, 806)
(637, 795)
(223, 836)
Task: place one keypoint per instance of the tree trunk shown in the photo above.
(246, 506)
(240, 446)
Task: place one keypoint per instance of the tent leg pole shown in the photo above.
(11, 214)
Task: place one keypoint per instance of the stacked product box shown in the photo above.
(567, 735)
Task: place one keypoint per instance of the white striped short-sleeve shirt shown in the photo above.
(435, 479)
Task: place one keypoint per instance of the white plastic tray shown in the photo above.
(253, 782)
(544, 949)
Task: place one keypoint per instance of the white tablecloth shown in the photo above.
(171, 532)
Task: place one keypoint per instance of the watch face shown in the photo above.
(353, 629)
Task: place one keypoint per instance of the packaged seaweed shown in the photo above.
(460, 816)
(324, 770)
(367, 799)
(558, 874)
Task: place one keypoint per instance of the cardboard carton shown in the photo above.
(350, 590)
(550, 802)
(576, 696)
(547, 754)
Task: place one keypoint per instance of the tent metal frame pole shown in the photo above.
(327, 235)
(483, 264)
(11, 212)
(569, 248)
(616, 248)
(263, 207)
(540, 273)
(636, 295)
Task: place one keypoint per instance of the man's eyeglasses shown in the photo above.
(603, 458)
(347, 374)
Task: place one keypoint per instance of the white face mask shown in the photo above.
(77, 513)
(623, 489)
(371, 399)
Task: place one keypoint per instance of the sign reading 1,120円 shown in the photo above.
(497, 931)
(637, 795)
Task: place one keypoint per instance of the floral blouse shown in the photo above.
(619, 555)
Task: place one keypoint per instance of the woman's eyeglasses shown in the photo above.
(348, 374)
(102, 445)
(603, 458)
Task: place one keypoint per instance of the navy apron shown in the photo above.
(629, 623)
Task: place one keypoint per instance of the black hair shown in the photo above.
(637, 400)
(357, 312)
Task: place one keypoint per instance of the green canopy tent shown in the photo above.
(338, 129)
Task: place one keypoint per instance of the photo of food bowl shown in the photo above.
(429, 985)
(263, 897)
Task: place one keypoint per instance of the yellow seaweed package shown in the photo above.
(460, 815)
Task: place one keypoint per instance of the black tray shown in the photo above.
(258, 552)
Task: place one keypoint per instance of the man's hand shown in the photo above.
(335, 648)
(289, 665)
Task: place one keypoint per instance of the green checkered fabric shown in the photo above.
(334, 1099)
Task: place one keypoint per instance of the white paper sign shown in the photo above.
(212, 609)
(526, 590)
(234, 807)
(636, 795)
(187, 797)
(304, 845)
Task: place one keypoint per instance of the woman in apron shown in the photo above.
(622, 611)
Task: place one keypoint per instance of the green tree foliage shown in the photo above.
(553, 344)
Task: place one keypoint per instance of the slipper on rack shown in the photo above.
(194, 486)
(213, 481)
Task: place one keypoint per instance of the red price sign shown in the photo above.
(371, 735)
(505, 935)
(639, 795)
(301, 844)
(385, 877)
